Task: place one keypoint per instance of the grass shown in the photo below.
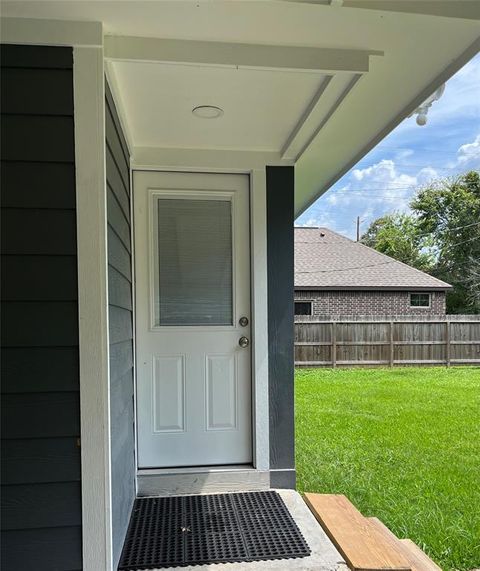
(402, 444)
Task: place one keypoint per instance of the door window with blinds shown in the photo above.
(192, 259)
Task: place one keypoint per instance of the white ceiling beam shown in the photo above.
(204, 159)
(51, 32)
(127, 48)
(291, 140)
(351, 84)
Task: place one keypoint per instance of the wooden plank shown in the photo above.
(39, 278)
(40, 460)
(39, 324)
(391, 340)
(313, 344)
(30, 506)
(362, 546)
(419, 361)
(38, 185)
(427, 342)
(40, 415)
(44, 57)
(313, 363)
(333, 335)
(447, 343)
(362, 362)
(42, 549)
(37, 138)
(362, 343)
(417, 559)
(51, 232)
(37, 91)
(21, 367)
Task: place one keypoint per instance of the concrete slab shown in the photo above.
(324, 556)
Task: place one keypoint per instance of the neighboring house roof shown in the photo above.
(327, 260)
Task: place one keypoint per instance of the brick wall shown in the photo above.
(370, 303)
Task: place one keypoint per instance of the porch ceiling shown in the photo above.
(313, 82)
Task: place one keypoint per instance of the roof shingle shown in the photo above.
(327, 260)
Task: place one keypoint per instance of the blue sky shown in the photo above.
(386, 178)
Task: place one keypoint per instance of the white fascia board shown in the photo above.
(51, 32)
(129, 48)
(204, 159)
(439, 80)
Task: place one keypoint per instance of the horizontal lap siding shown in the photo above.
(120, 324)
(41, 490)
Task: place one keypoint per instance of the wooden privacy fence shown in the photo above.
(387, 342)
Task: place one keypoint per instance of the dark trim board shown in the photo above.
(280, 250)
(41, 477)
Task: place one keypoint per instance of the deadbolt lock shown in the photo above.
(243, 321)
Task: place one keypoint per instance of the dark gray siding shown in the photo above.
(41, 491)
(121, 326)
(280, 220)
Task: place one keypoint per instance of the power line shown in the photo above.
(347, 269)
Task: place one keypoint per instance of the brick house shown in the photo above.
(337, 276)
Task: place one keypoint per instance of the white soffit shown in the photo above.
(261, 107)
(424, 43)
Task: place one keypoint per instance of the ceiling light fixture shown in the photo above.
(207, 111)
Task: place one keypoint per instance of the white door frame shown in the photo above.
(259, 300)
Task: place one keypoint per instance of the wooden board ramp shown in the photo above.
(418, 560)
(360, 542)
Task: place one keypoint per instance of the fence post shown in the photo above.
(447, 342)
(392, 348)
(334, 344)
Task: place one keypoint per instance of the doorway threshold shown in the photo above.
(201, 480)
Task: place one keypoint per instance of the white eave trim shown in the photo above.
(129, 48)
(51, 32)
(204, 159)
(442, 78)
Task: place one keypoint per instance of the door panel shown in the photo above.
(192, 255)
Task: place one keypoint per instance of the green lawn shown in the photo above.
(404, 445)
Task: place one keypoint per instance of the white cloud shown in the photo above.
(470, 152)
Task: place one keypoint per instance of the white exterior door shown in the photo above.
(192, 252)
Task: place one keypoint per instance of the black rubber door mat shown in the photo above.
(195, 530)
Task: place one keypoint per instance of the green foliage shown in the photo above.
(403, 445)
(440, 237)
(450, 211)
(398, 236)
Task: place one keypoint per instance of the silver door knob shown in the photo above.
(243, 342)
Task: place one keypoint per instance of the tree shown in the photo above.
(449, 210)
(441, 237)
(398, 236)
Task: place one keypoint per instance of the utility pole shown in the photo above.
(358, 228)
